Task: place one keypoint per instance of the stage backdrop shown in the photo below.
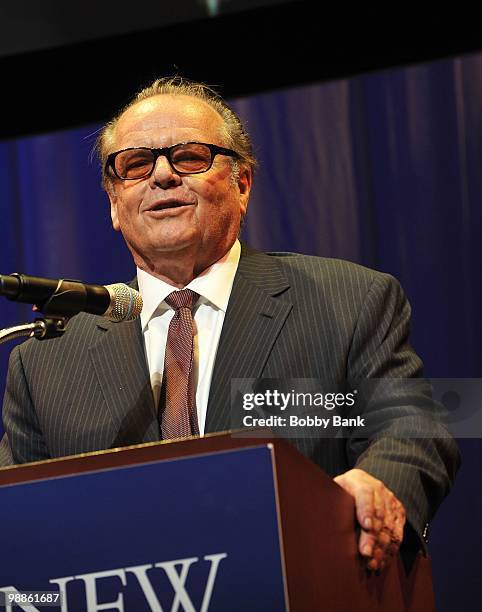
(382, 169)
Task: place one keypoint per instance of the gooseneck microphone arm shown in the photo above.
(42, 329)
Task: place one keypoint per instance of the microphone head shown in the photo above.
(125, 303)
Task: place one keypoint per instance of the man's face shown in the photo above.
(168, 214)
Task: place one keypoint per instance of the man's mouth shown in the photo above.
(167, 204)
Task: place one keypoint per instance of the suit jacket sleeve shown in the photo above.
(418, 469)
(23, 440)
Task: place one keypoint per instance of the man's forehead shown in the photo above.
(171, 110)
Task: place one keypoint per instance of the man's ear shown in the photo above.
(113, 209)
(244, 182)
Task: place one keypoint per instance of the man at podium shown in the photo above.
(178, 168)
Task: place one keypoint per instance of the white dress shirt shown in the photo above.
(214, 287)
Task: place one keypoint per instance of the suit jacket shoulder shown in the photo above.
(87, 390)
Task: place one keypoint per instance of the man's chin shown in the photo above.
(164, 248)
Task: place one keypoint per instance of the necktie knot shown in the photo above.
(182, 299)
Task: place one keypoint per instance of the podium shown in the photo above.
(221, 523)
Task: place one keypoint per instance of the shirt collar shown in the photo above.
(213, 285)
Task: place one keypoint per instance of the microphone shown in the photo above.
(66, 298)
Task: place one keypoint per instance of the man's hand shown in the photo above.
(380, 514)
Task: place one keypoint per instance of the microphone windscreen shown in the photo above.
(125, 303)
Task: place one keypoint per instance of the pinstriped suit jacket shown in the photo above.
(289, 316)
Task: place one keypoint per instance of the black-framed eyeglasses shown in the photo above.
(184, 158)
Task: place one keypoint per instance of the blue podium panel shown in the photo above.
(198, 533)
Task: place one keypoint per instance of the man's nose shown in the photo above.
(163, 174)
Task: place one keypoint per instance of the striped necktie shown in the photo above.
(179, 417)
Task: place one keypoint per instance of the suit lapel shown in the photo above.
(254, 318)
(120, 363)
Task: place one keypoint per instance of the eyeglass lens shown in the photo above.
(187, 158)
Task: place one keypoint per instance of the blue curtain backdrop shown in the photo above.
(382, 169)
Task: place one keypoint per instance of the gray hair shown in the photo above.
(234, 133)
